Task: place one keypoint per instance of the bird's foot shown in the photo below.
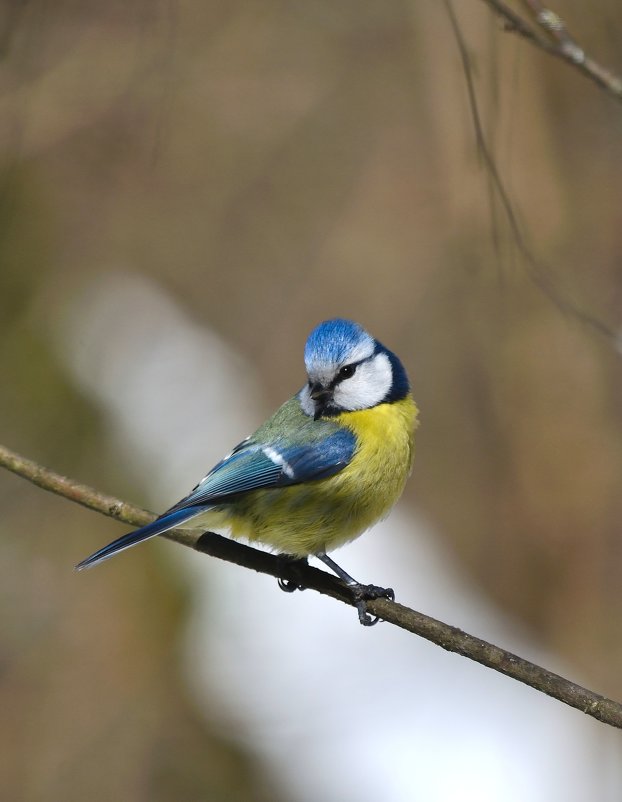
(361, 593)
(292, 566)
(364, 593)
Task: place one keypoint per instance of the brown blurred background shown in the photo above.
(270, 165)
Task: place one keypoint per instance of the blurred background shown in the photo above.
(186, 189)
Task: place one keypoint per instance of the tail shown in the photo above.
(157, 527)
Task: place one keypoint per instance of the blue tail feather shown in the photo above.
(157, 527)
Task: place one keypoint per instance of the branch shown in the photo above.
(556, 42)
(450, 638)
(538, 272)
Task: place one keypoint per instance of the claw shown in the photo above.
(288, 585)
(291, 565)
(365, 593)
(361, 593)
(364, 617)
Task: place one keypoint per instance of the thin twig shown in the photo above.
(514, 23)
(444, 635)
(536, 270)
(554, 26)
(558, 42)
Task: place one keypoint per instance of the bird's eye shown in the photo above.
(346, 371)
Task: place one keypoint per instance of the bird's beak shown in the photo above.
(322, 396)
(320, 393)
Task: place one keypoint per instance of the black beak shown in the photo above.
(320, 393)
(322, 397)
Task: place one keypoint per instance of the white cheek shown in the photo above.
(369, 385)
(306, 402)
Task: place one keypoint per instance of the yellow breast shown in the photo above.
(319, 516)
(384, 456)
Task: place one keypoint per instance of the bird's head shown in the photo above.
(348, 369)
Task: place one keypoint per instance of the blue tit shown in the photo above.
(327, 465)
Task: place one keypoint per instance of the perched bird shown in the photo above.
(327, 465)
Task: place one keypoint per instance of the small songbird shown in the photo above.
(327, 465)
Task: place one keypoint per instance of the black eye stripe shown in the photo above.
(347, 371)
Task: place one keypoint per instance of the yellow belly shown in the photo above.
(320, 516)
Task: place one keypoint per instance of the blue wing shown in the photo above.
(250, 466)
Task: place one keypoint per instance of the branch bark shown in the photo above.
(448, 637)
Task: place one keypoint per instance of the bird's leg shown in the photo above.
(292, 565)
(362, 593)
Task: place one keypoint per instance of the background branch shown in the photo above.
(450, 638)
(538, 272)
(556, 41)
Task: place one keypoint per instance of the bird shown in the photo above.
(328, 464)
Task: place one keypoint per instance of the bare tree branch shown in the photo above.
(556, 41)
(538, 272)
(450, 638)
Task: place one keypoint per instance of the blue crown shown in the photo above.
(333, 340)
